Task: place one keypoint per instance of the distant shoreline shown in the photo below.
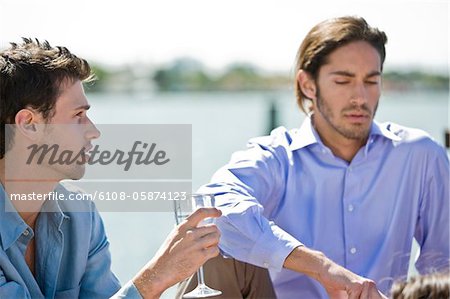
(186, 75)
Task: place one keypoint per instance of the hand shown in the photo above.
(341, 283)
(186, 248)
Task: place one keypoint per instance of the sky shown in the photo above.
(264, 33)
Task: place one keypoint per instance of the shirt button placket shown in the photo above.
(351, 183)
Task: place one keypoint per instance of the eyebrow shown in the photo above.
(349, 74)
(83, 107)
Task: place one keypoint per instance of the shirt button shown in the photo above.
(26, 233)
(353, 250)
(266, 264)
(351, 208)
(350, 169)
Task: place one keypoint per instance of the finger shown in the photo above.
(370, 290)
(209, 240)
(337, 294)
(353, 295)
(211, 252)
(194, 219)
(202, 237)
(366, 291)
(354, 292)
(202, 231)
(375, 294)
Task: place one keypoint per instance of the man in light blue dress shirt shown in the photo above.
(59, 249)
(331, 208)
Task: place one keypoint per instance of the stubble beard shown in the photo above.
(71, 171)
(353, 132)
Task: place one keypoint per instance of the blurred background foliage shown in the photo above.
(187, 74)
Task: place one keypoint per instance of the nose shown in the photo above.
(359, 95)
(91, 130)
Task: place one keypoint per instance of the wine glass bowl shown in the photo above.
(182, 210)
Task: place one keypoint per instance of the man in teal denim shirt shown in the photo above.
(47, 249)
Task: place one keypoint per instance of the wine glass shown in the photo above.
(182, 210)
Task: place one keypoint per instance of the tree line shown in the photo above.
(189, 75)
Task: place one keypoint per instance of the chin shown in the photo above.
(357, 133)
(76, 173)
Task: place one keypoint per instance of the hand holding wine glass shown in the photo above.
(185, 249)
(199, 202)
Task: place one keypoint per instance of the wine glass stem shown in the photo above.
(200, 277)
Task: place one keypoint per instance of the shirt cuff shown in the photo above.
(128, 291)
(271, 251)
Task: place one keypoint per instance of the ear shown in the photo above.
(26, 122)
(306, 84)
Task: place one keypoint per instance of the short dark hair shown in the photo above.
(326, 37)
(30, 77)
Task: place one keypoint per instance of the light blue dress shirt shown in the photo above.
(288, 189)
(72, 257)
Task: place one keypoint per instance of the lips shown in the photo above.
(357, 117)
(88, 148)
(85, 153)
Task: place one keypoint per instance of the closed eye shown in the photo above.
(80, 114)
(82, 110)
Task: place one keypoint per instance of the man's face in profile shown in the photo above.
(72, 130)
(348, 90)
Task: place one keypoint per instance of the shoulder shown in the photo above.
(411, 138)
(81, 211)
(263, 149)
(279, 137)
(73, 199)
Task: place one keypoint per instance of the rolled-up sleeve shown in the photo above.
(246, 190)
(128, 291)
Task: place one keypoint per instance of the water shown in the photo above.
(221, 124)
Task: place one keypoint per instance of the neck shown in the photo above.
(341, 146)
(344, 149)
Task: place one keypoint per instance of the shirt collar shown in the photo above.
(12, 225)
(384, 130)
(307, 135)
(53, 209)
(304, 136)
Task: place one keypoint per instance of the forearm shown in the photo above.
(149, 284)
(307, 261)
(337, 281)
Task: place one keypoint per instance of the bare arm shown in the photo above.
(184, 251)
(338, 281)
